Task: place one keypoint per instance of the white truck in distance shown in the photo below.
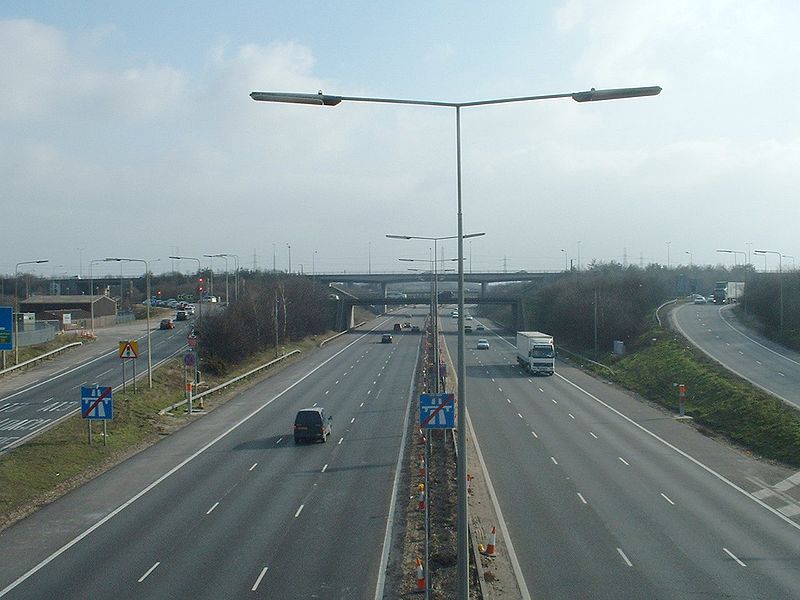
(535, 352)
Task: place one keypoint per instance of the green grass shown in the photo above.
(717, 400)
(60, 459)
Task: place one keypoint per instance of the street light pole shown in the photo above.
(668, 265)
(225, 258)
(16, 303)
(321, 99)
(147, 308)
(200, 299)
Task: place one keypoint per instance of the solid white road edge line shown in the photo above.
(175, 469)
(299, 510)
(387, 537)
(216, 504)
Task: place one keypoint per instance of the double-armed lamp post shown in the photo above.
(321, 99)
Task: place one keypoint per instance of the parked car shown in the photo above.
(483, 344)
(386, 338)
(167, 324)
(310, 424)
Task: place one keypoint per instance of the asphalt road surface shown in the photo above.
(716, 331)
(602, 496)
(33, 401)
(229, 506)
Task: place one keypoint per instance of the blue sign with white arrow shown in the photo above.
(6, 328)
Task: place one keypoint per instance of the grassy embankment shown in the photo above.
(717, 400)
(60, 459)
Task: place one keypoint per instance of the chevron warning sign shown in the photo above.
(129, 349)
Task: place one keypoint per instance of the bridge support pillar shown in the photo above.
(518, 316)
(345, 315)
(383, 295)
(484, 288)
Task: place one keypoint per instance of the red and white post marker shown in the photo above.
(682, 398)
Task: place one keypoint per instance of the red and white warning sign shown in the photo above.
(129, 349)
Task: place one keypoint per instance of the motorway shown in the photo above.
(33, 401)
(229, 507)
(603, 496)
(716, 331)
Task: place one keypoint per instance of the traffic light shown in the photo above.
(200, 285)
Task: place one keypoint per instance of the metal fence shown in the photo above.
(41, 332)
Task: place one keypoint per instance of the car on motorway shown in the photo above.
(483, 344)
(454, 314)
(406, 325)
(386, 338)
(310, 424)
(181, 315)
(468, 318)
(167, 324)
(467, 328)
(398, 327)
(415, 328)
(710, 299)
(698, 299)
(480, 327)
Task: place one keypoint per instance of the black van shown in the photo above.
(311, 424)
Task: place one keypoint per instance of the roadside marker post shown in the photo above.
(682, 399)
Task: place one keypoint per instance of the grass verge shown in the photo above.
(60, 459)
(717, 400)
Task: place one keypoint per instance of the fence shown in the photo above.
(42, 331)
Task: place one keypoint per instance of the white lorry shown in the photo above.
(535, 352)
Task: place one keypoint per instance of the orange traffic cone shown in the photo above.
(420, 575)
(422, 466)
(421, 503)
(491, 549)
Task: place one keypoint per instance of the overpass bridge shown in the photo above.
(348, 299)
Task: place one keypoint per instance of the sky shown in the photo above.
(126, 129)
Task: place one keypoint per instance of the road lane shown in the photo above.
(33, 406)
(282, 514)
(718, 333)
(597, 507)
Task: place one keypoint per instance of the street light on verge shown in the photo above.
(435, 305)
(147, 308)
(200, 299)
(16, 303)
(744, 263)
(225, 258)
(320, 99)
(780, 276)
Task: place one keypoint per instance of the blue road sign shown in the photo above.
(437, 411)
(96, 403)
(6, 328)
